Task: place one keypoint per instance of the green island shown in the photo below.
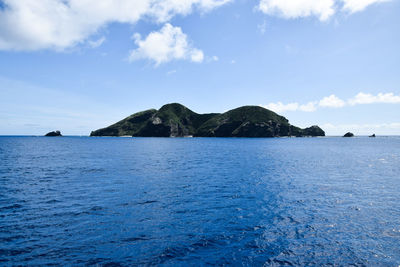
(176, 120)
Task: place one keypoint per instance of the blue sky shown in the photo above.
(77, 66)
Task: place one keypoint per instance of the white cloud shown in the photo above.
(353, 6)
(363, 98)
(60, 24)
(170, 43)
(309, 107)
(322, 9)
(332, 101)
(196, 55)
(164, 10)
(280, 107)
(96, 43)
(292, 9)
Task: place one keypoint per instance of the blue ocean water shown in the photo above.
(199, 201)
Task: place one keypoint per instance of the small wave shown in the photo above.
(13, 252)
(112, 264)
(96, 208)
(52, 201)
(146, 202)
(11, 238)
(11, 207)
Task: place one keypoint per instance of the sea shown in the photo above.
(104, 201)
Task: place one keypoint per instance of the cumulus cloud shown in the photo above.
(309, 107)
(362, 98)
(164, 10)
(292, 9)
(322, 9)
(280, 107)
(333, 101)
(168, 44)
(353, 6)
(59, 24)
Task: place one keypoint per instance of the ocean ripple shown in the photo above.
(199, 201)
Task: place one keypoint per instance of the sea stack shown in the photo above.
(373, 135)
(54, 133)
(349, 134)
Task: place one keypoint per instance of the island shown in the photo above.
(176, 120)
(349, 134)
(54, 133)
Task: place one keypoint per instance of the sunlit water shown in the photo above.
(199, 201)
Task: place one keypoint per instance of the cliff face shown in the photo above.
(173, 120)
(176, 120)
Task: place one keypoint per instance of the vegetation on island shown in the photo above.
(176, 120)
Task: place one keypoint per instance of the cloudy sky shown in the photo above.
(79, 65)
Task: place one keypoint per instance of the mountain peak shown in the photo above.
(175, 108)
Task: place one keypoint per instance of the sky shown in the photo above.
(80, 65)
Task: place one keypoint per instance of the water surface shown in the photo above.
(199, 201)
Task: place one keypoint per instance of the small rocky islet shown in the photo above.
(349, 134)
(176, 120)
(53, 134)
